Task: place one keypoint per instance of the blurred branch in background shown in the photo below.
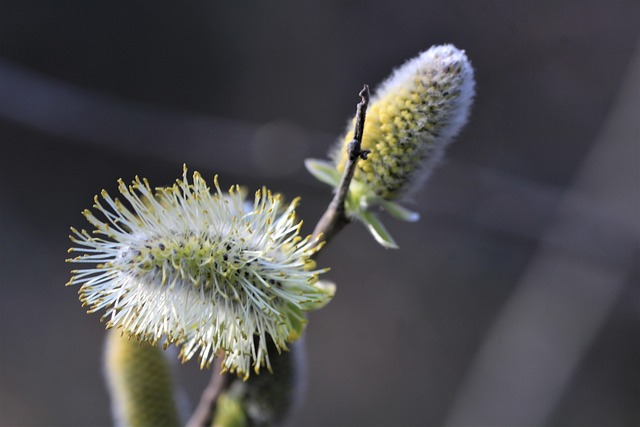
(566, 294)
(63, 109)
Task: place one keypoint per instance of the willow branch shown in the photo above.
(334, 219)
(203, 415)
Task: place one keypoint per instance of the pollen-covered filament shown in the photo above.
(227, 270)
(183, 257)
(209, 264)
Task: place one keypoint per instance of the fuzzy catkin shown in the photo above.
(139, 383)
(200, 270)
(413, 116)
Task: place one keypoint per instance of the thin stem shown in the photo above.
(332, 221)
(203, 415)
(334, 218)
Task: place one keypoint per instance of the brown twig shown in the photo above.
(334, 218)
(331, 222)
(203, 415)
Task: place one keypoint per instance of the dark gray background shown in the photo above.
(514, 301)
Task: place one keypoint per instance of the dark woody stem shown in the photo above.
(332, 221)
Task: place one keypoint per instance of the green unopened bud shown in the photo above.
(413, 116)
(139, 383)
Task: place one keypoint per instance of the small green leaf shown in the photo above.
(297, 322)
(323, 171)
(324, 287)
(377, 229)
(399, 212)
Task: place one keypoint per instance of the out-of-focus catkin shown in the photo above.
(139, 382)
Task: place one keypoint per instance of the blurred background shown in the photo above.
(513, 302)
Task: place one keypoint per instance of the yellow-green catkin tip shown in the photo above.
(412, 117)
(139, 383)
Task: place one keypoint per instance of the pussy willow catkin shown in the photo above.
(140, 383)
(412, 117)
(200, 270)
